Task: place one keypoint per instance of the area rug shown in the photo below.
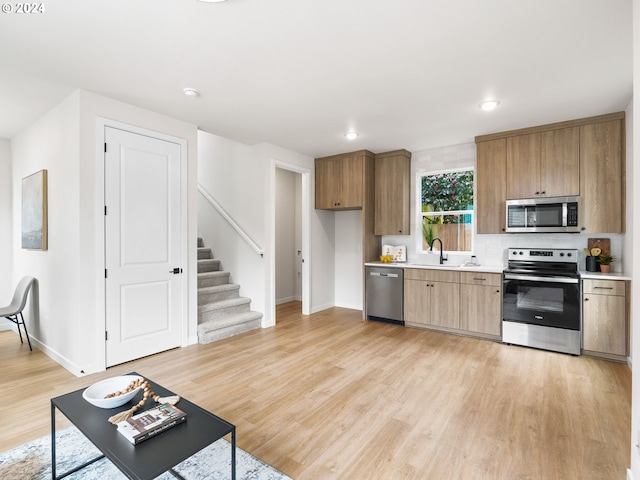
(32, 461)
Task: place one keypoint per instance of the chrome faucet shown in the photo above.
(442, 259)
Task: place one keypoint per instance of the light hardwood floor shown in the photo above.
(329, 396)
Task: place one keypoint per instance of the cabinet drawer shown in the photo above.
(604, 287)
(481, 278)
(448, 276)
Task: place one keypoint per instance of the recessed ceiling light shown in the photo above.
(489, 105)
(191, 92)
(351, 135)
(212, 1)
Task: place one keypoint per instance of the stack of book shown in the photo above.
(151, 422)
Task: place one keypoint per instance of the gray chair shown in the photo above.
(14, 310)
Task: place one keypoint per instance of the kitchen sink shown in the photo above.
(437, 265)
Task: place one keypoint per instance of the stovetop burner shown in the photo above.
(553, 262)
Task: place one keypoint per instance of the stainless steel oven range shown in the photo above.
(541, 299)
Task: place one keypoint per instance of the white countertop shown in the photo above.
(459, 268)
(604, 276)
(492, 269)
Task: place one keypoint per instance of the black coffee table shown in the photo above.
(152, 457)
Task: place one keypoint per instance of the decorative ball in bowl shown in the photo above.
(97, 392)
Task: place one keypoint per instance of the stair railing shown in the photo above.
(230, 221)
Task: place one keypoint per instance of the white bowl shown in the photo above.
(95, 393)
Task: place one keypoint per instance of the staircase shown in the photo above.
(222, 312)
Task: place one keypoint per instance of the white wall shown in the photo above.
(7, 282)
(232, 174)
(52, 143)
(634, 206)
(320, 229)
(349, 268)
(65, 141)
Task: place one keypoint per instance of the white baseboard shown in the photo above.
(629, 474)
(77, 370)
(320, 308)
(285, 300)
(350, 307)
(7, 325)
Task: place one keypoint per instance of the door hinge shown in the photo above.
(105, 209)
(105, 273)
(106, 335)
(105, 147)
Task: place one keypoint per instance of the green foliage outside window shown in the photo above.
(445, 198)
(446, 192)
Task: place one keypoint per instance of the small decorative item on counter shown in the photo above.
(386, 258)
(592, 264)
(605, 260)
(593, 255)
(397, 253)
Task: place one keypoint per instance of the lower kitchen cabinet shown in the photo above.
(431, 298)
(605, 318)
(481, 303)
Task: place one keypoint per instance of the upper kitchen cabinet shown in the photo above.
(583, 157)
(602, 177)
(340, 180)
(491, 185)
(544, 164)
(392, 188)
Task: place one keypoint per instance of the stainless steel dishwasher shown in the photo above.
(384, 294)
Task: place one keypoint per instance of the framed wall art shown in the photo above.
(34, 211)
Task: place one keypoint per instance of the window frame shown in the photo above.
(420, 215)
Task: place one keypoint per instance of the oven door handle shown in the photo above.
(531, 278)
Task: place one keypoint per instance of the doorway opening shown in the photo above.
(290, 237)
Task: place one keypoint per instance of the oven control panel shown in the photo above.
(562, 255)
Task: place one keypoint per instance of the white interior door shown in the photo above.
(142, 246)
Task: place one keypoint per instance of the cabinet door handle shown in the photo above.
(480, 279)
(603, 288)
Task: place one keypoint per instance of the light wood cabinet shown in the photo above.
(481, 303)
(523, 166)
(605, 317)
(346, 182)
(560, 162)
(340, 181)
(431, 298)
(392, 192)
(544, 164)
(602, 177)
(491, 186)
(583, 157)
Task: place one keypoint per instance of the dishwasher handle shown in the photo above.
(379, 274)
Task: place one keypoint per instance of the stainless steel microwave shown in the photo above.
(543, 215)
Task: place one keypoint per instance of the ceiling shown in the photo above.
(301, 73)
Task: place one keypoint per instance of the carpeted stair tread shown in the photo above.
(222, 312)
(217, 293)
(219, 288)
(210, 279)
(214, 330)
(231, 320)
(204, 253)
(208, 265)
(221, 305)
